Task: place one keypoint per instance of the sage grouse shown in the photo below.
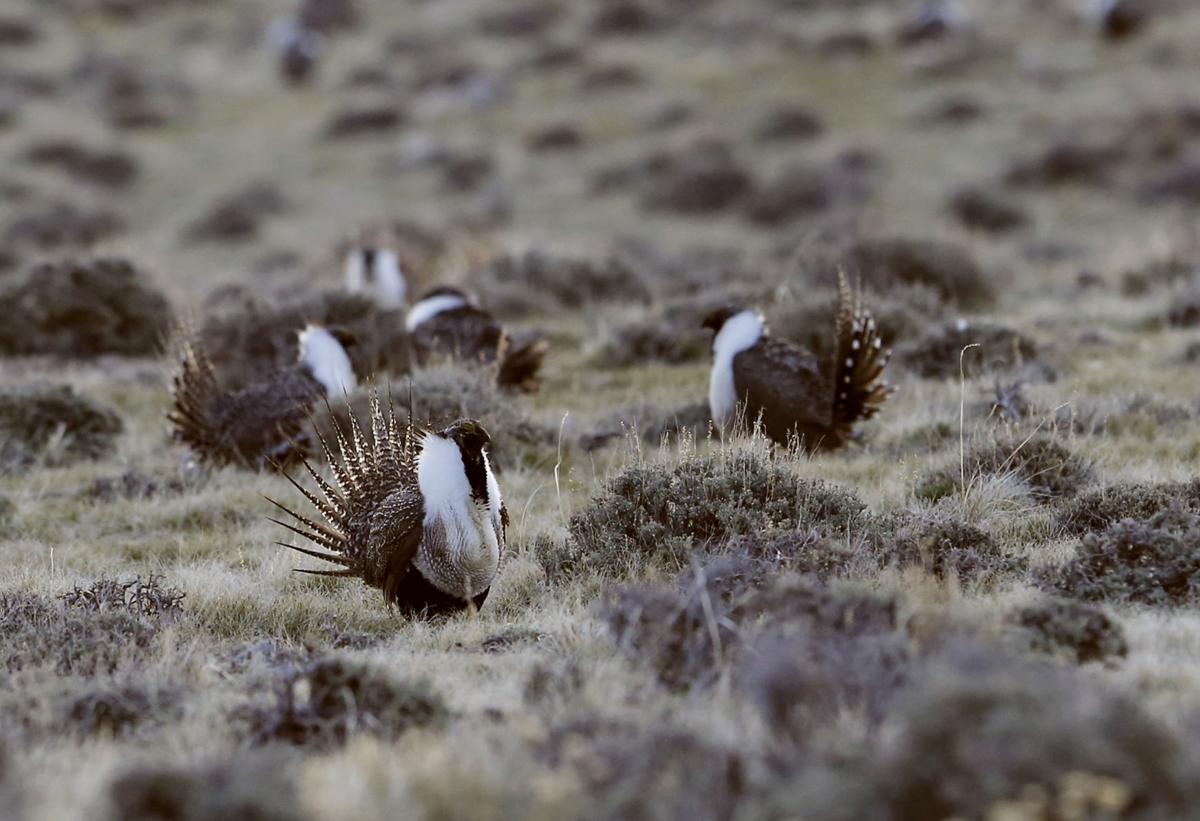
(376, 273)
(760, 380)
(259, 424)
(422, 521)
(444, 324)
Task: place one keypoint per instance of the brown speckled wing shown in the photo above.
(395, 534)
(786, 385)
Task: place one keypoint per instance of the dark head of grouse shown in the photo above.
(792, 393)
(418, 516)
(446, 324)
(263, 423)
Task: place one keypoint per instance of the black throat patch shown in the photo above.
(476, 473)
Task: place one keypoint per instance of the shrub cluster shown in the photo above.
(1153, 561)
(1096, 510)
(147, 597)
(84, 309)
(1047, 467)
(1076, 631)
(35, 631)
(31, 418)
(328, 700)
(654, 515)
(243, 788)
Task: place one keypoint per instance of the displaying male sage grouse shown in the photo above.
(422, 521)
(757, 379)
(260, 424)
(376, 273)
(444, 324)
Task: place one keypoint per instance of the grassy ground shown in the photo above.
(544, 709)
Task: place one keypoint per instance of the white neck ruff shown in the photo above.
(427, 309)
(328, 360)
(740, 332)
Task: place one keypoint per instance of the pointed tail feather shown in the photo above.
(859, 388)
(363, 465)
(193, 389)
(521, 364)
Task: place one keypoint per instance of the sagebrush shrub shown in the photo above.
(1154, 561)
(326, 701)
(1097, 509)
(661, 515)
(1045, 465)
(1079, 632)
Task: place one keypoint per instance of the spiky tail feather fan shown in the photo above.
(859, 388)
(364, 471)
(193, 388)
(520, 364)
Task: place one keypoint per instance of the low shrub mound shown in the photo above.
(1074, 631)
(108, 169)
(796, 192)
(84, 309)
(662, 515)
(1096, 510)
(984, 210)
(646, 770)
(63, 226)
(244, 788)
(1066, 162)
(703, 179)
(113, 711)
(653, 424)
(534, 282)
(882, 264)
(666, 336)
(238, 216)
(133, 484)
(954, 751)
(1047, 467)
(936, 354)
(789, 123)
(40, 632)
(364, 121)
(325, 702)
(148, 597)
(1154, 561)
(53, 423)
(688, 635)
(948, 547)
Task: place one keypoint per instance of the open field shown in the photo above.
(986, 607)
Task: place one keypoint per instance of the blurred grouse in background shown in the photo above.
(445, 325)
(789, 390)
(260, 424)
